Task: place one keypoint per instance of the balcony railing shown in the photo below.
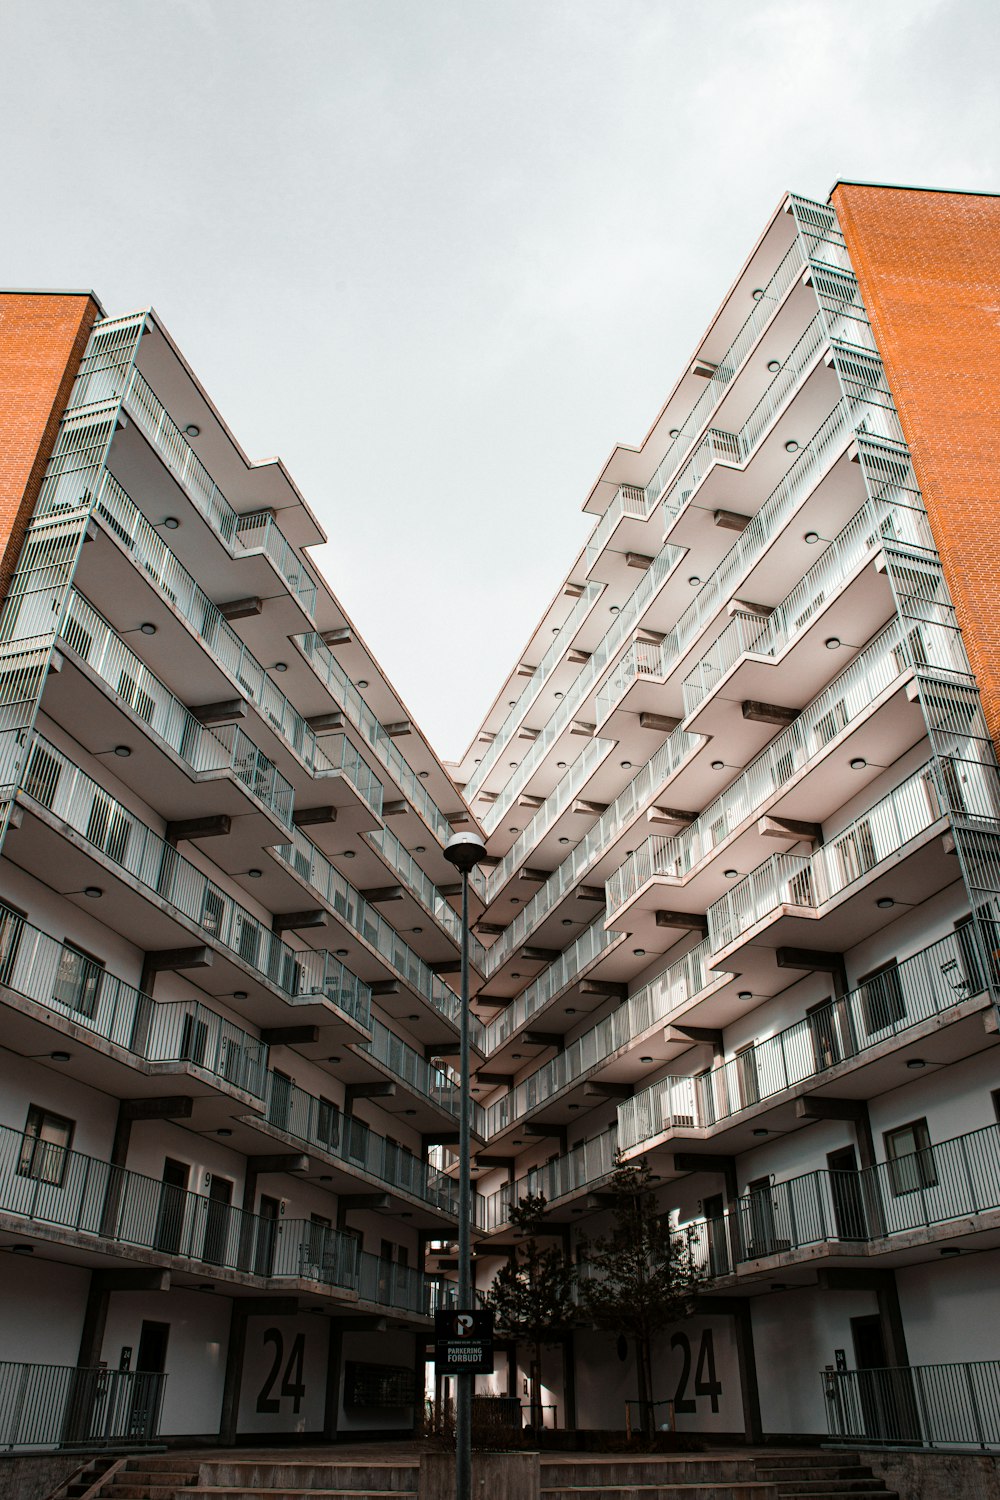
(341, 897)
(121, 840)
(845, 701)
(343, 758)
(618, 633)
(585, 1164)
(933, 1406)
(629, 500)
(223, 747)
(49, 1185)
(649, 1006)
(69, 984)
(912, 991)
(566, 970)
(670, 756)
(937, 1185)
(321, 1123)
(347, 697)
(420, 885)
(247, 533)
(434, 1084)
(566, 789)
(150, 553)
(875, 524)
(52, 1406)
(558, 646)
(810, 881)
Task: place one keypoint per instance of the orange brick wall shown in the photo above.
(42, 338)
(929, 269)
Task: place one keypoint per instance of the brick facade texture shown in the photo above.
(42, 339)
(928, 265)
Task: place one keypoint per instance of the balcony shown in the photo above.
(363, 921)
(569, 968)
(397, 1060)
(347, 1140)
(125, 560)
(160, 897)
(241, 535)
(601, 1046)
(560, 644)
(930, 994)
(99, 653)
(422, 888)
(584, 1166)
(867, 696)
(61, 985)
(654, 776)
(780, 900)
(628, 505)
(951, 1189)
(47, 1190)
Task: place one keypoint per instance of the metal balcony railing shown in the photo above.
(69, 984)
(568, 967)
(222, 747)
(53, 1406)
(914, 990)
(420, 885)
(629, 500)
(558, 646)
(239, 533)
(933, 1406)
(50, 1185)
(119, 839)
(809, 881)
(650, 1005)
(115, 509)
(934, 1186)
(585, 1164)
(320, 1122)
(435, 1084)
(845, 701)
(341, 897)
(343, 758)
(347, 697)
(609, 825)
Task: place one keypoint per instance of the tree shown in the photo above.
(532, 1295)
(641, 1277)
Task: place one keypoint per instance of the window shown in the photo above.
(328, 1124)
(194, 1039)
(77, 983)
(882, 1003)
(910, 1157)
(45, 1147)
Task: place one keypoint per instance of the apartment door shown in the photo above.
(146, 1383)
(718, 1247)
(170, 1211)
(758, 1221)
(267, 1235)
(845, 1190)
(217, 1221)
(822, 1021)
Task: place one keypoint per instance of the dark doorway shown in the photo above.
(885, 1395)
(217, 1221)
(267, 1235)
(759, 1236)
(152, 1353)
(146, 1384)
(845, 1190)
(718, 1248)
(170, 1212)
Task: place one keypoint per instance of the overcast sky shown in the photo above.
(441, 254)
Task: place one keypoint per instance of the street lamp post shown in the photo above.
(464, 851)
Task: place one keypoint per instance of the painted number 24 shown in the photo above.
(292, 1384)
(706, 1382)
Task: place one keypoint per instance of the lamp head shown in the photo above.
(464, 851)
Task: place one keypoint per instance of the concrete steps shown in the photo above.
(821, 1476)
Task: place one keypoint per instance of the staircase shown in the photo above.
(190, 1477)
(816, 1476)
(159, 1476)
(667, 1477)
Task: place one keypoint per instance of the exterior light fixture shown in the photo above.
(884, 902)
(564, 840)
(123, 751)
(59, 1057)
(760, 1130)
(171, 523)
(757, 293)
(645, 1059)
(515, 900)
(239, 994)
(409, 1111)
(281, 666)
(791, 446)
(148, 628)
(570, 1010)
(858, 763)
(558, 695)
(93, 892)
(949, 1251)
(694, 580)
(639, 952)
(423, 775)
(417, 930)
(512, 764)
(22, 1249)
(916, 1062)
(718, 765)
(567, 921)
(192, 430)
(347, 854)
(812, 537)
(626, 765)
(224, 1131)
(362, 682)
(745, 995)
(334, 1059)
(730, 874)
(420, 848)
(774, 365)
(341, 952)
(832, 643)
(560, 765)
(615, 608)
(254, 874)
(674, 432)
